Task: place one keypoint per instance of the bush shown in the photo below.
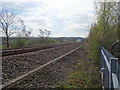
(18, 43)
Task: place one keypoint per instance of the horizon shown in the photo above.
(62, 17)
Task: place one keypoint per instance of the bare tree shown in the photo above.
(41, 33)
(25, 31)
(47, 33)
(9, 23)
(44, 35)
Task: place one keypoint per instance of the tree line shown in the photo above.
(106, 30)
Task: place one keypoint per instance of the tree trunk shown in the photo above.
(7, 38)
(8, 42)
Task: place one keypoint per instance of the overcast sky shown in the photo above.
(64, 18)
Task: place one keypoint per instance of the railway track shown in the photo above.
(8, 62)
(14, 51)
(26, 75)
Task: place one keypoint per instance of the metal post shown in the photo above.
(110, 74)
(114, 71)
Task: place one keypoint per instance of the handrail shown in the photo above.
(110, 73)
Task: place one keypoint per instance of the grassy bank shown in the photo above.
(86, 75)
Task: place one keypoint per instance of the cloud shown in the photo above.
(37, 18)
(50, 1)
(20, 0)
(71, 1)
(62, 17)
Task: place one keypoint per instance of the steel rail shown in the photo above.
(19, 51)
(28, 49)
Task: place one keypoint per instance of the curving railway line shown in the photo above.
(19, 66)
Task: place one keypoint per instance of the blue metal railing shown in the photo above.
(110, 70)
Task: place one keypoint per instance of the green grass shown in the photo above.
(2, 46)
(86, 76)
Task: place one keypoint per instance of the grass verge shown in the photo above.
(86, 75)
